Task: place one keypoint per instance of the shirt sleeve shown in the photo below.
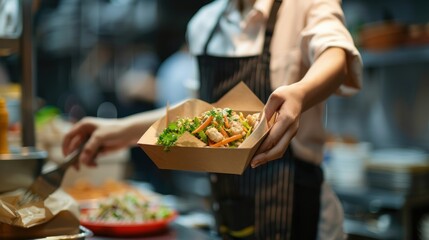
(325, 28)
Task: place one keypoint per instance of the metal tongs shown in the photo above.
(47, 183)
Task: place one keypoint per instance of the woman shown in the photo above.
(293, 55)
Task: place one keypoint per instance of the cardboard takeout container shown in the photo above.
(192, 156)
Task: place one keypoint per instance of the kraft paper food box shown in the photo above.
(193, 155)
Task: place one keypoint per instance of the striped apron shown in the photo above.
(257, 204)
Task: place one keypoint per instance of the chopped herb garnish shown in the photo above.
(211, 127)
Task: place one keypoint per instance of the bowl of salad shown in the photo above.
(126, 215)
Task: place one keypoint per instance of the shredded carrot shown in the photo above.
(223, 132)
(225, 119)
(204, 125)
(227, 140)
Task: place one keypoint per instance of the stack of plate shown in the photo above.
(399, 170)
(345, 163)
(424, 228)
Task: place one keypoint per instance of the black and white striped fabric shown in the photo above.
(257, 204)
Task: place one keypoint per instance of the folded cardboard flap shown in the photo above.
(207, 159)
(64, 223)
(189, 140)
(240, 98)
(188, 108)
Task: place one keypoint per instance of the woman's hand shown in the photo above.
(323, 78)
(286, 101)
(98, 136)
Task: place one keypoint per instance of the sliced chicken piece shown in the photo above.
(236, 128)
(253, 119)
(214, 134)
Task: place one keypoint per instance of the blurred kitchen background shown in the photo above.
(113, 58)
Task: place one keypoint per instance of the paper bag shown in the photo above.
(57, 215)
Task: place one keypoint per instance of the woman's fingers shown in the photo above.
(276, 150)
(288, 105)
(272, 106)
(75, 137)
(90, 150)
(78, 135)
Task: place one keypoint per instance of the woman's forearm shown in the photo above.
(324, 77)
(137, 124)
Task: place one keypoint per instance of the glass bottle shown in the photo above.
(4, 125)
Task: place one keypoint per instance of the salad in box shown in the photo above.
(197, 136)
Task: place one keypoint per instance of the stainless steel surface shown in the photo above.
(83, 234)
(48, 182)
(20, 167)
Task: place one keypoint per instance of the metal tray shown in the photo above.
(83, 234)
(20, 167)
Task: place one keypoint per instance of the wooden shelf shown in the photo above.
(399, 56)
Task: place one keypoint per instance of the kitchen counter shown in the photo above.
(381, 214)
(175, 232)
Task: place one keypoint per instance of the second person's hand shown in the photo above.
(98, 136)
